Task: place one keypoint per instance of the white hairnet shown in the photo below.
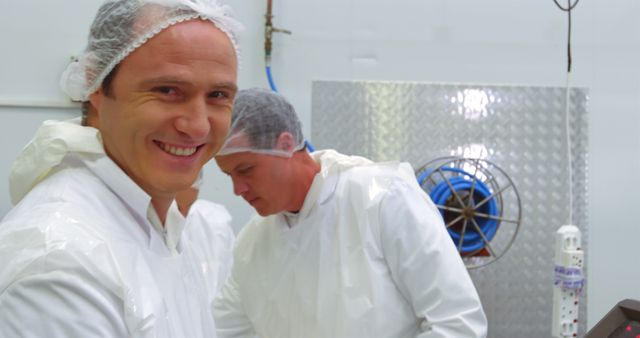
(259, 117)
(121, 26)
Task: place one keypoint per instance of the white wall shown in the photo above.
(493, 42)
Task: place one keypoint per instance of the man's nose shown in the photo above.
(239, 186)
(194, 120)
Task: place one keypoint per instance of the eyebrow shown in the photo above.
(240, 167)
(228, 172)
(227, 85)
(163, 79)
(175, 80)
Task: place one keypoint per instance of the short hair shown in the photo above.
(262, 116)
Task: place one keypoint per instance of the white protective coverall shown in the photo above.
(79, 256)
(367, 256)
(211, 221)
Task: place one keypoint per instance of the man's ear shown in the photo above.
(90, 112)
(96, 98)
(285, 142)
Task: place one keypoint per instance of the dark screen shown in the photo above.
(628, 329)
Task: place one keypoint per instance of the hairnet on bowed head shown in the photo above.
(121, 26)
(259, 118)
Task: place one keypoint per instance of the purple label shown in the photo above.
(568, 277)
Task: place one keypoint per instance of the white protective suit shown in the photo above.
(367, 256)
(80, 257)
(211, 221)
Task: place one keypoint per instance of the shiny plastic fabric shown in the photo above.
(52, 142)
(367, 256)
(121, 26)
(212, 221)
(79, 251)
(259, 117)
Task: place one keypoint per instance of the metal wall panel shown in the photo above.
(520, 128)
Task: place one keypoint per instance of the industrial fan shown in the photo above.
(479, 203)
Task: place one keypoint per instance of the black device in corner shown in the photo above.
(623, 321)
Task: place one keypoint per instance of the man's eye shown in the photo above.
(218, 95)
(165, 90)
(244, 171)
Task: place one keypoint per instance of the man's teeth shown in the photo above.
(179, 151)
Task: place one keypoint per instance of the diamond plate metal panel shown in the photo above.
(520, 128)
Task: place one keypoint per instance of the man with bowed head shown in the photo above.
(95, 246)
(342, 247)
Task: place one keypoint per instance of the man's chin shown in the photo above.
(263, 212)
(172, 188)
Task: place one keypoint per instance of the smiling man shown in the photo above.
(95, 244)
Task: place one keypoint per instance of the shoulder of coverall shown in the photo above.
(212, 215)
(373, 176)
(58, 217)
(211, 210)
(367, 185)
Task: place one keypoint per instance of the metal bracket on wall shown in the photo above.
(33, 103)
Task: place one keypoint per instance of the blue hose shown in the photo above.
(272, 83)
(310, 147)
(441, 194)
